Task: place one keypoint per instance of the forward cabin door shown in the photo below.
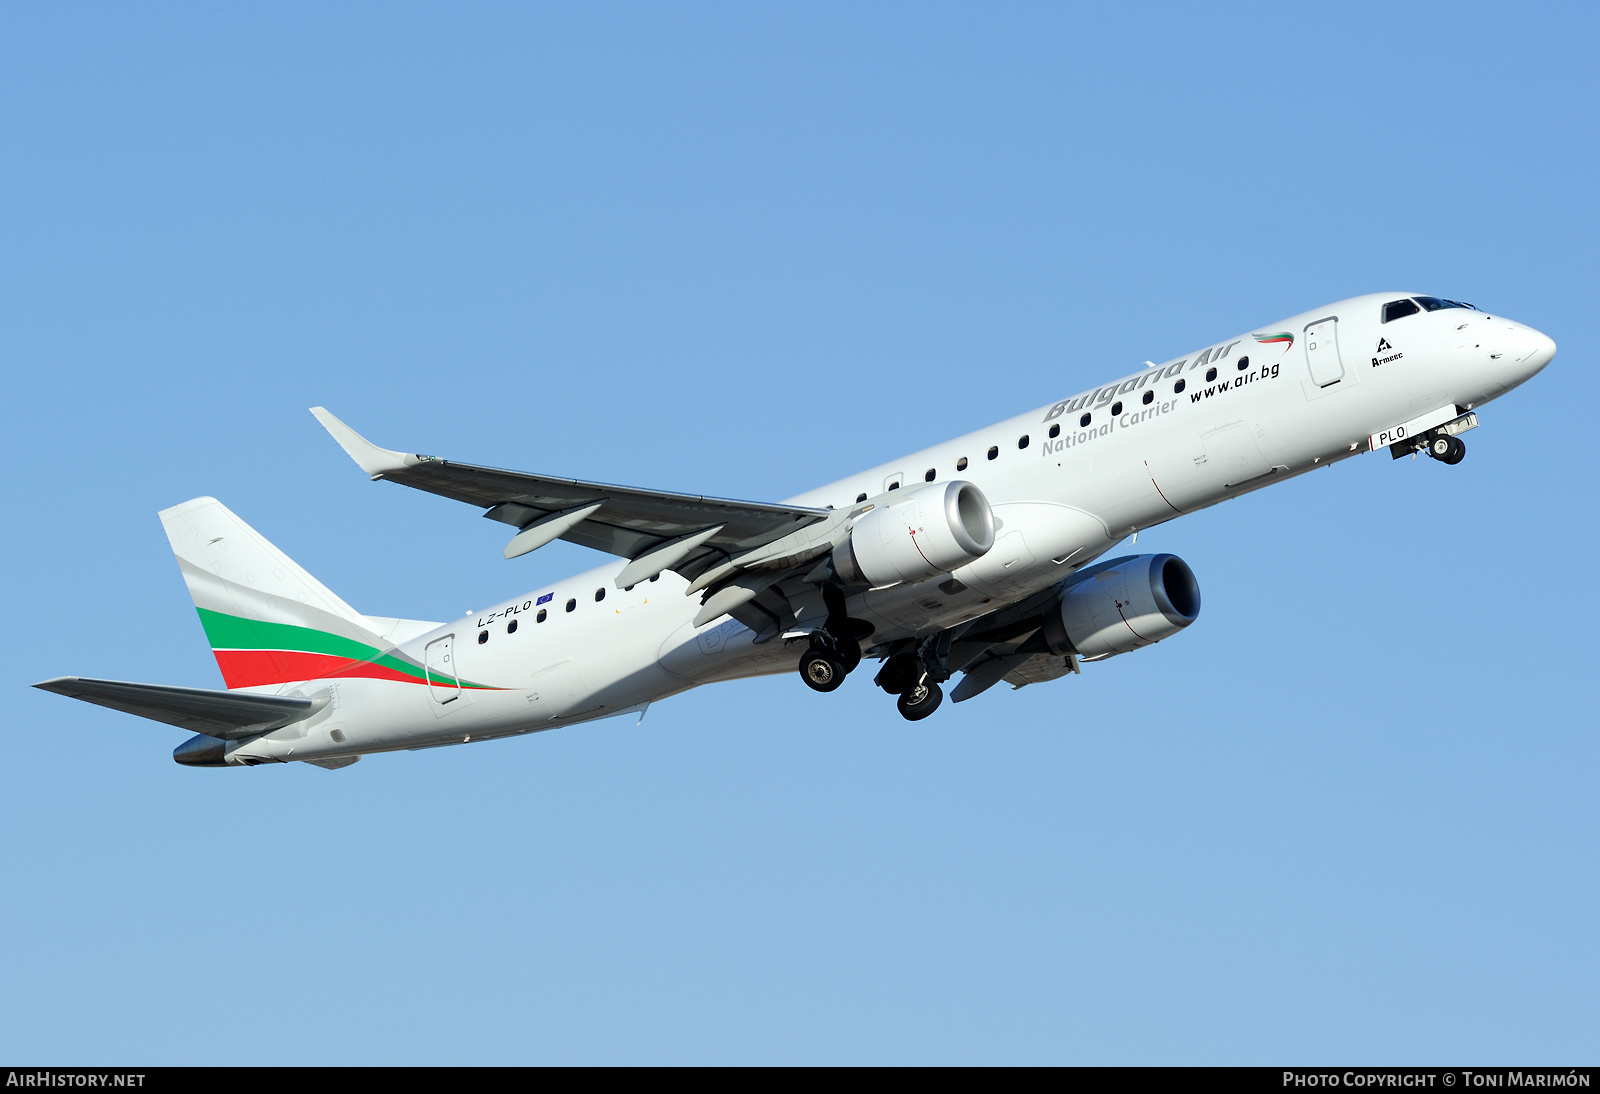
(1322, 351)
(440, 663)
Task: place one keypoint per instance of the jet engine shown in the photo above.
(1132, 602)
(916, 533)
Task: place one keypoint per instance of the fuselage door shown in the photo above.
(1322, 351)
(443, 683)
(1232, 455)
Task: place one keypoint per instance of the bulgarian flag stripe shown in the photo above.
(252, 653)
(253, 668)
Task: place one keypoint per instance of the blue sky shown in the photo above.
(744, 250)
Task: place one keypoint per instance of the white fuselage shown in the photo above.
(1066, 481)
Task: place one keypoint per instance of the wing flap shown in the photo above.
(228, 715)
(1040, 668)
(985, 675)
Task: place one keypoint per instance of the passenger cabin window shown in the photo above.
(894, 486)
(1022, 441)
(1211, 374)
(861, 497)
(1244, 363)
(599, 595)
(1177, 388)
(1116, 408)
(961, 464)
(1149, 397)
(483, 636)
(540, 618)
(928, 475)
(1398, 309)
(511, 627)
(1083, 422)
(572, 605)
(994, 452)
(1055, 431)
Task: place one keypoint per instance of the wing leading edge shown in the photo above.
(692, 535)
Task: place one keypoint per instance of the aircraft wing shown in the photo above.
(228, 715)
(687, 533)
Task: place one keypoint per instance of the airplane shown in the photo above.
(983, 556)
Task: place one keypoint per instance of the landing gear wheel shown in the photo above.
(1446, 449)
(921, 701)
(849, 654)
(820, 670)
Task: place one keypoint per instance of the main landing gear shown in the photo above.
(922, 700)
(825, 665)
(835, 650)
(914, 676)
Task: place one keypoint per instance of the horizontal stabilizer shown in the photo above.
(228, 715)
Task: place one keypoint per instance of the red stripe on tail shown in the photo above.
(254, 668)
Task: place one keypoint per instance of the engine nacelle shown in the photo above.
(1132, 603)
(916, 533)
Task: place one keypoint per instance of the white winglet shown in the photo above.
(373, 460)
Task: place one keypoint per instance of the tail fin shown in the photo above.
(269, 622)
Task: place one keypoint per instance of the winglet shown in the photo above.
(375, 461)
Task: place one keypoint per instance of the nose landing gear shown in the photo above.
(1442, 442)
(1443, 447)
(1446, 449)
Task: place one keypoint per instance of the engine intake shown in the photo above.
(1133, 602)
(917, 533)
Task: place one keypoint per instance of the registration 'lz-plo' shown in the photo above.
(978, 556)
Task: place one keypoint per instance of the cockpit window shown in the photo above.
(1433, 303)
(1398, 309)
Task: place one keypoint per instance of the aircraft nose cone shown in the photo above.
(1542, 350)
(1526, 351)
